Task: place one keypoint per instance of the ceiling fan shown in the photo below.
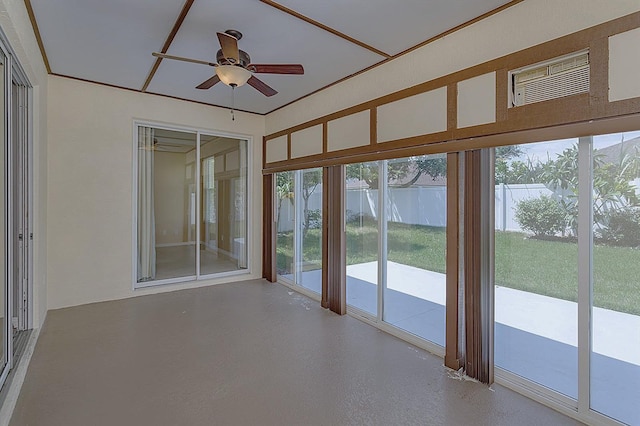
(234, 67)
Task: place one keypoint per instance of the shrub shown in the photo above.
(314, 219)
(542, 216)
(623, 228)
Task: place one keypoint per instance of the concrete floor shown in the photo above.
(243, 354)
(180, 261)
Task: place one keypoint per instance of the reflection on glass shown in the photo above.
(285, 220)
(166, 204)
(223, 226)
(536, 258)
(416, 202)
(615, 315)
(310, 229)
(361, 217)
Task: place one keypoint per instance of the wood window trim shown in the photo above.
(269, 230)
(334, 296)
(453, 355)
(422, 145)
(582, 108)
(477, 268)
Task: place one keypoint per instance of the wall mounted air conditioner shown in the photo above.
(554, 79)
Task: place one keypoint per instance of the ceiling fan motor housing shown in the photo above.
(245, 60)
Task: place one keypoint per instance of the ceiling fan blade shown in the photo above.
(261, 86)
(277, 68)
(208, 84)
(180, 58)
(229, 45)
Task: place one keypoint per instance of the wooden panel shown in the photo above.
(334, 241)
(624, 63)
(452, 339)
(277, 149)
(413, 116)
(349, 132)
(583, 109)
(306, 142)
(477, 100)
(478, 295)
(268, 229)
(422, 145)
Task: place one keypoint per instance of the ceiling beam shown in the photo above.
(36, 32)
(324, 27)
(409, 50)
(168, 41)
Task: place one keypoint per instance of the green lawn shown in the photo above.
(542, 267)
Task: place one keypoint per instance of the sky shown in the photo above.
(542, 150)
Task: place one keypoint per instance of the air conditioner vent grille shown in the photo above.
(565, 77)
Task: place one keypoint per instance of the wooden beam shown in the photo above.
(334, 294)
(168, 41)
(411, 49)
(36, 31)
(452, 358)
(325, 27)
(268, 229)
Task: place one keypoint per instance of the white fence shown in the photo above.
(426, 205)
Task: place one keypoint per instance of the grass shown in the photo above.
(549, 268)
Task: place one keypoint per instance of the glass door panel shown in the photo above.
(285, 221)
(223, 226)
(615, 314)
(536, 263)
(361, 218)
(5, 325)
(166, 204)
(416, 215)
(310, 230)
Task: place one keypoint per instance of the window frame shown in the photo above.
(198, 131)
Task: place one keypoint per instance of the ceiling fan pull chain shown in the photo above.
(233, 102)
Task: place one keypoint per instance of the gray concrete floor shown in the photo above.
(249, 353)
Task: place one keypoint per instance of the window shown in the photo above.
(536, 264)
(191, 212)
(16, 209)
(396, 255)
(615, 298)
(299, 227)
(566, 259)
(362, 229)
(416, 219)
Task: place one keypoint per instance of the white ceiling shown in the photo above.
(111, 41)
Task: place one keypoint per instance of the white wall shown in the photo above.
(91, 182)
(15, 23)
(524, 25)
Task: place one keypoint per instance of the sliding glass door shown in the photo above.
(615, 297)
(415, 245)
(362, 235)
(299, 228)
(223, 225)
(6, 330)
(15, 210)
(536, 264)
(191, 211)
(566, 271)
(396, 254)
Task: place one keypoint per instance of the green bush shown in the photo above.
(623, 228)
(542, 216)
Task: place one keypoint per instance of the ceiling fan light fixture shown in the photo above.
(233, 75)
